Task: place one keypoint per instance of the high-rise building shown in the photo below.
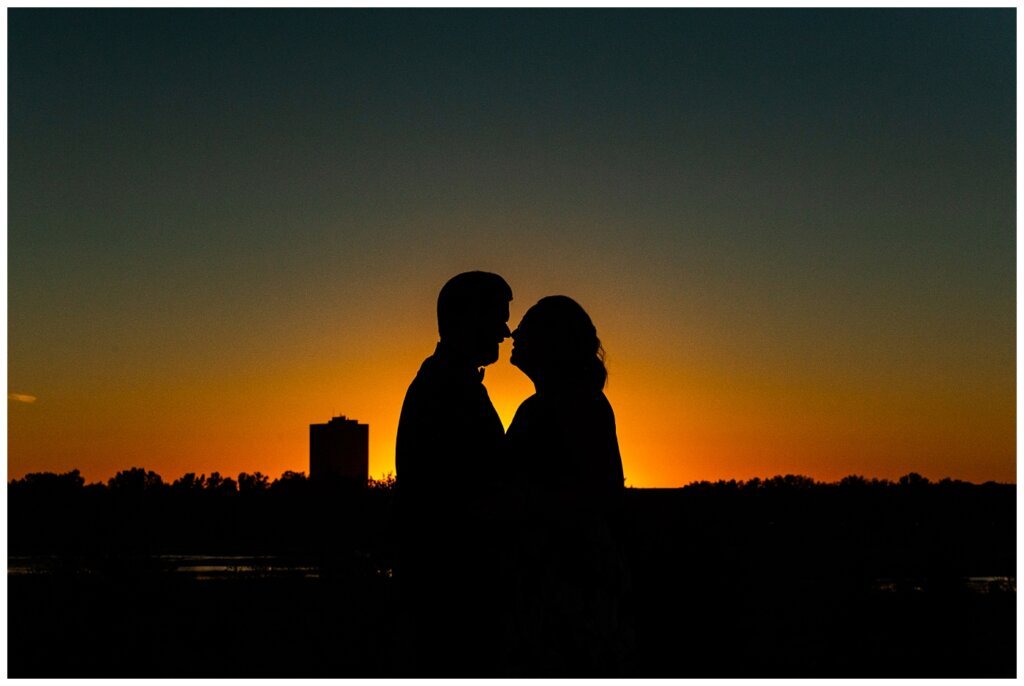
(340, 448)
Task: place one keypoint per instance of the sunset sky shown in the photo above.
(794, 230)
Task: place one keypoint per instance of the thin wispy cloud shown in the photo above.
(22, 397)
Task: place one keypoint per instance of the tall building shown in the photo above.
(340, 448)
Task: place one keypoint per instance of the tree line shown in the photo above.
(142, 481)
(910, 526)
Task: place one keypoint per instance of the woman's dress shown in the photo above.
(572, 582)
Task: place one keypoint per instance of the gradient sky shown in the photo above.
(794, 230)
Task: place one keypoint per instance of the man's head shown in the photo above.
(472, 315)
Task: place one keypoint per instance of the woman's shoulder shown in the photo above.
(594, 407)
(567, 411)
(529, 406)
(526, 413)
(601, 401)
(604, 406)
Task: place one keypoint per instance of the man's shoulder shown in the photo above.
(433, 387)
(430, 375)
(421, 383)
(441, 375)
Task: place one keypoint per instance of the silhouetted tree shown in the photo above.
(189, 483)
(47, 482)
(220, 486)
(386, 484)
(255, 482)
(135, 480)
(913, 480)
(799, 481)
(290, 483)
(853, 481)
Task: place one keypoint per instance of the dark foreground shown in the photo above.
(778, 579)
(287, 625)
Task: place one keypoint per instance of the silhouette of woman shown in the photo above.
(562, 444)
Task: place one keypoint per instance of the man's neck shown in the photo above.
(451, 356)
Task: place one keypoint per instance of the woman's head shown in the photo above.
(556, 344)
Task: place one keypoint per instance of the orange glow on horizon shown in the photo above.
(674, 426)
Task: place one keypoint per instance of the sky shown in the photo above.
(793, 229)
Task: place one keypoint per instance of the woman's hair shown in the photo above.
(572, 349)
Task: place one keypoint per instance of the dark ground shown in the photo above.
(172, 625)
(779, 579)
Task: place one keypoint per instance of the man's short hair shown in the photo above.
(466, 296)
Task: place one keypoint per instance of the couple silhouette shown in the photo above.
(509, 557)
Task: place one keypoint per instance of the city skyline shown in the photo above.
(793, 229)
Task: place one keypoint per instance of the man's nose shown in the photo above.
(505, 332)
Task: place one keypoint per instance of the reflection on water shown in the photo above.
(213, 567)
(972, 584)
(229, 566)
(202, 567)
(992, 584)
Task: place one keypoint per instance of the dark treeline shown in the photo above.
(857, 526)
(137, 513)
(855, 531)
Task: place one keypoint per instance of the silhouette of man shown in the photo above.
(448, 451)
